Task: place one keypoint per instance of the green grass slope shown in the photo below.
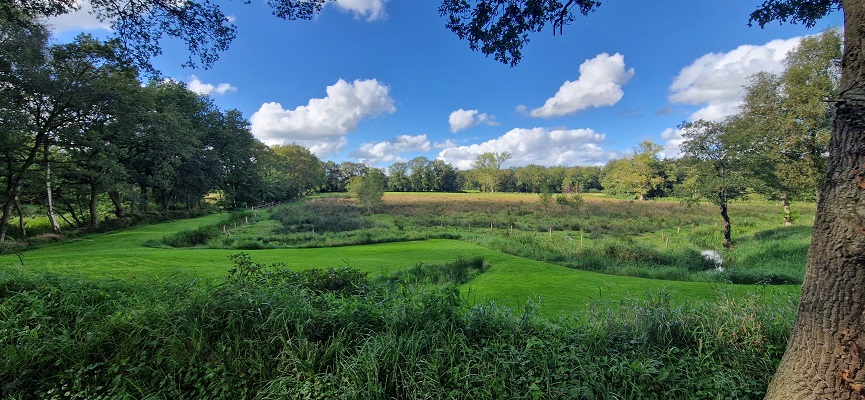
(511, 280)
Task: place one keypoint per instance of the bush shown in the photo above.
(454, 273)
(750, 277)
(202, 235)
(192, 237)
(562, 200)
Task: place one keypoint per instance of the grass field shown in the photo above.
(512, 280)
(125, 315)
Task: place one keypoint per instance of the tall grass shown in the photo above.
(660, 240)
(200, 236)
(268, 333)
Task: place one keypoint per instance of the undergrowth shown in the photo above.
(265, 332)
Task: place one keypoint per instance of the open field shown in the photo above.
(512, 279)
(125, 315)
(652, 239)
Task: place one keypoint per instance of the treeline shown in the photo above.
(83, 137)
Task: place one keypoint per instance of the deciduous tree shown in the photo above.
(398, 177)
(788, 118)
(368, 190)
(639, 173)
(718, 168)
(488, 167)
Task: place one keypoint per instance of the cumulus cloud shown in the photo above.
(369, 10)
(390, 150)
(444, 145)
(197, 86)
(540, 146)
(715, 80)
(323, 148)
(323, 122)
(600, 84)
(82, 19)
(673, 140)
(464, 119)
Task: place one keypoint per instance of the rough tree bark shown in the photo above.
(825, 355)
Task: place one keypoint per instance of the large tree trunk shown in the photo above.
(12, 194)
(15, 181)
(825, 357)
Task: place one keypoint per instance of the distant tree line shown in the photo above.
(84, 137)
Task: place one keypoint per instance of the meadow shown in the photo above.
(652, 239)
(430, 296)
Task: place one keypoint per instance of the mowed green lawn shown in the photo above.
(510, 281)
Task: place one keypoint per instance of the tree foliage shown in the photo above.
(718, 166)
(501, 27)
(140, 25)
(639, 174)
(805, 12)
(787, 118)
(81, 109)
(368, 190)
(488, 167)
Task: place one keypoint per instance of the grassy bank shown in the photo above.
(266, 333)
(510, 280)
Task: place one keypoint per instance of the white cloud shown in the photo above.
(600, 84)
(369, 10)
(464, 119)
(81, 20)
(715, 80)
(389, 151)
(323, 123)
(444, 145)
(673, 142)
(323, 148)
(540, 146)
(197, 86)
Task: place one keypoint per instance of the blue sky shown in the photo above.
(381, 81)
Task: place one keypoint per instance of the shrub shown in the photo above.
(562, 200)
(577, 200)
(454, 273)
(202, 235)
(192, 237)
